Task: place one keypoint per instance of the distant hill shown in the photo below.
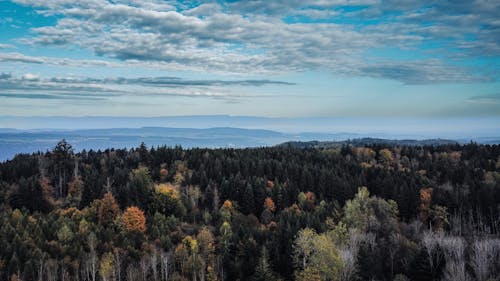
(368, 141)
(14, 141)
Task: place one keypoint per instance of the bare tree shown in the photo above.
(132, 273)
(454, 249)
(349, 259)
(90, 262)
(393, 249)
(40, 268)
(144, 265)
(154, 265)
(348, 254)
(51, 270)
(432, 241)
(484, 256)
(64, 272)
(117, 263)
(165, 263)
(193, 194)
(456, 271)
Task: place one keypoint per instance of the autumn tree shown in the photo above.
(225, 210)
(268, 212)
(206, 244)
(386, 156)
(308, 274)
(306, 200)
(192, 265)
(106, 267)
(425, 204)
(108, 209)
(133, 220)
(75, 191)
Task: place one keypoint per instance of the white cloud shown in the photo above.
(7, 46)
(252, 37)
(31, 77)
(32, 86)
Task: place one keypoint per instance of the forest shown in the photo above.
(366, 212)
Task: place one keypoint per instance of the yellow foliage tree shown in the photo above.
(386, 156)
(106, 267)
(167, 189)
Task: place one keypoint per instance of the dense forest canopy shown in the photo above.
(377, 212)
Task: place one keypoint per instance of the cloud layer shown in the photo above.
(31, 86)
(435, 41)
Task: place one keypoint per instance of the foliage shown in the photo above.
(108, 209)
(133, 220)
(377, 212)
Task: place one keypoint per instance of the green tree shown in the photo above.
(62, 158)
(366, 213)
(303, 247)
(263, 270)
(140, 186)
(326, 258)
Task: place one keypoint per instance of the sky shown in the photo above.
(282, 58)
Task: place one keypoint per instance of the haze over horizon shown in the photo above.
(360, 60)
(415, 128)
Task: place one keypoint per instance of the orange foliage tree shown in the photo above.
(134, 220)
(227, 204)
(425, 203)
(269, 204)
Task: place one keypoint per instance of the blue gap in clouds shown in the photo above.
(398, 54)
(347, 15)
(17, 20)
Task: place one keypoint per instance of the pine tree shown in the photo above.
(263, 271)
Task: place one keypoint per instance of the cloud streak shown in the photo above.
(30, 86)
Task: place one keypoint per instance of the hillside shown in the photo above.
(270, 213)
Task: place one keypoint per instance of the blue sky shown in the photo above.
(338, 58)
